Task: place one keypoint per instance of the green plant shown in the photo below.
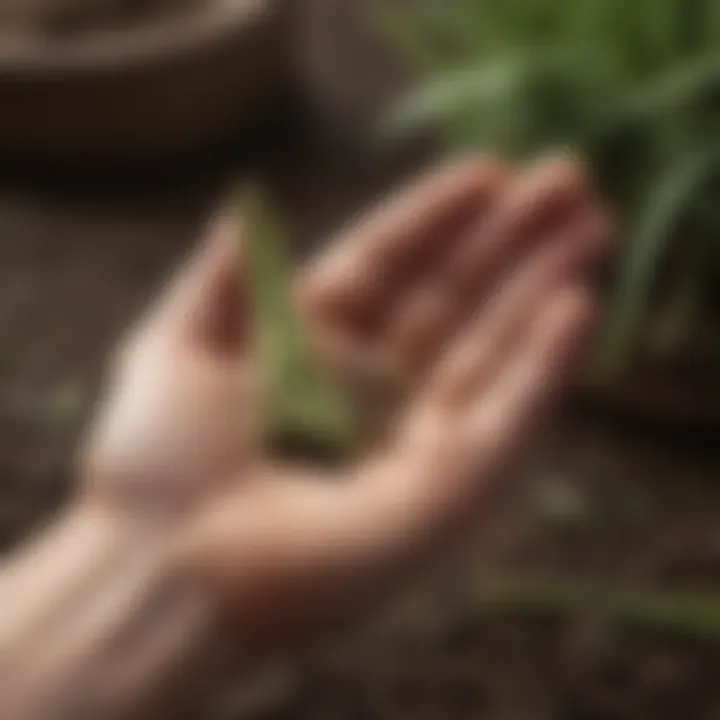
(307, 411)
(635, 87)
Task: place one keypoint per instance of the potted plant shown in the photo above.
(635, 88)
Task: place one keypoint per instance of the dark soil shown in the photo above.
(598, 500)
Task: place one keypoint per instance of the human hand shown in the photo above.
(475, 282)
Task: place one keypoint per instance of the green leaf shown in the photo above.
(684, 86)
(666, 204)
(412, 37)
(711, 23)
(514, 103)
(450, 93)
(309, 413)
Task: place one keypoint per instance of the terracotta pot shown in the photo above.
(168, 85)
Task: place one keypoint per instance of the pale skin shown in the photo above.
(190, 556)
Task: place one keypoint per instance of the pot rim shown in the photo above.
(161, 39)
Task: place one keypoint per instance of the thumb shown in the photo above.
(205, 305)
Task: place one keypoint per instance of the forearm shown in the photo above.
(98, 622)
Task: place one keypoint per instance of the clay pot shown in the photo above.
(170, 84)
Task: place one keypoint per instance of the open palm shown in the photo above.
(474, 283)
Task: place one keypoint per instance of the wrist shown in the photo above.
(100, 620)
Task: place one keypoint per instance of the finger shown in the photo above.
(419, 328)
(487, 343)
(206, 304)
(358, 276)
(537, 205)
(552, 192)
(548, 362)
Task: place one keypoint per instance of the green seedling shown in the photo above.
(309, 412)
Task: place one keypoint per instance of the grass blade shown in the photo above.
(687, 615)
(452, 93)
(665, 206)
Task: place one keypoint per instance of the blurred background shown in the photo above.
(595, 594)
